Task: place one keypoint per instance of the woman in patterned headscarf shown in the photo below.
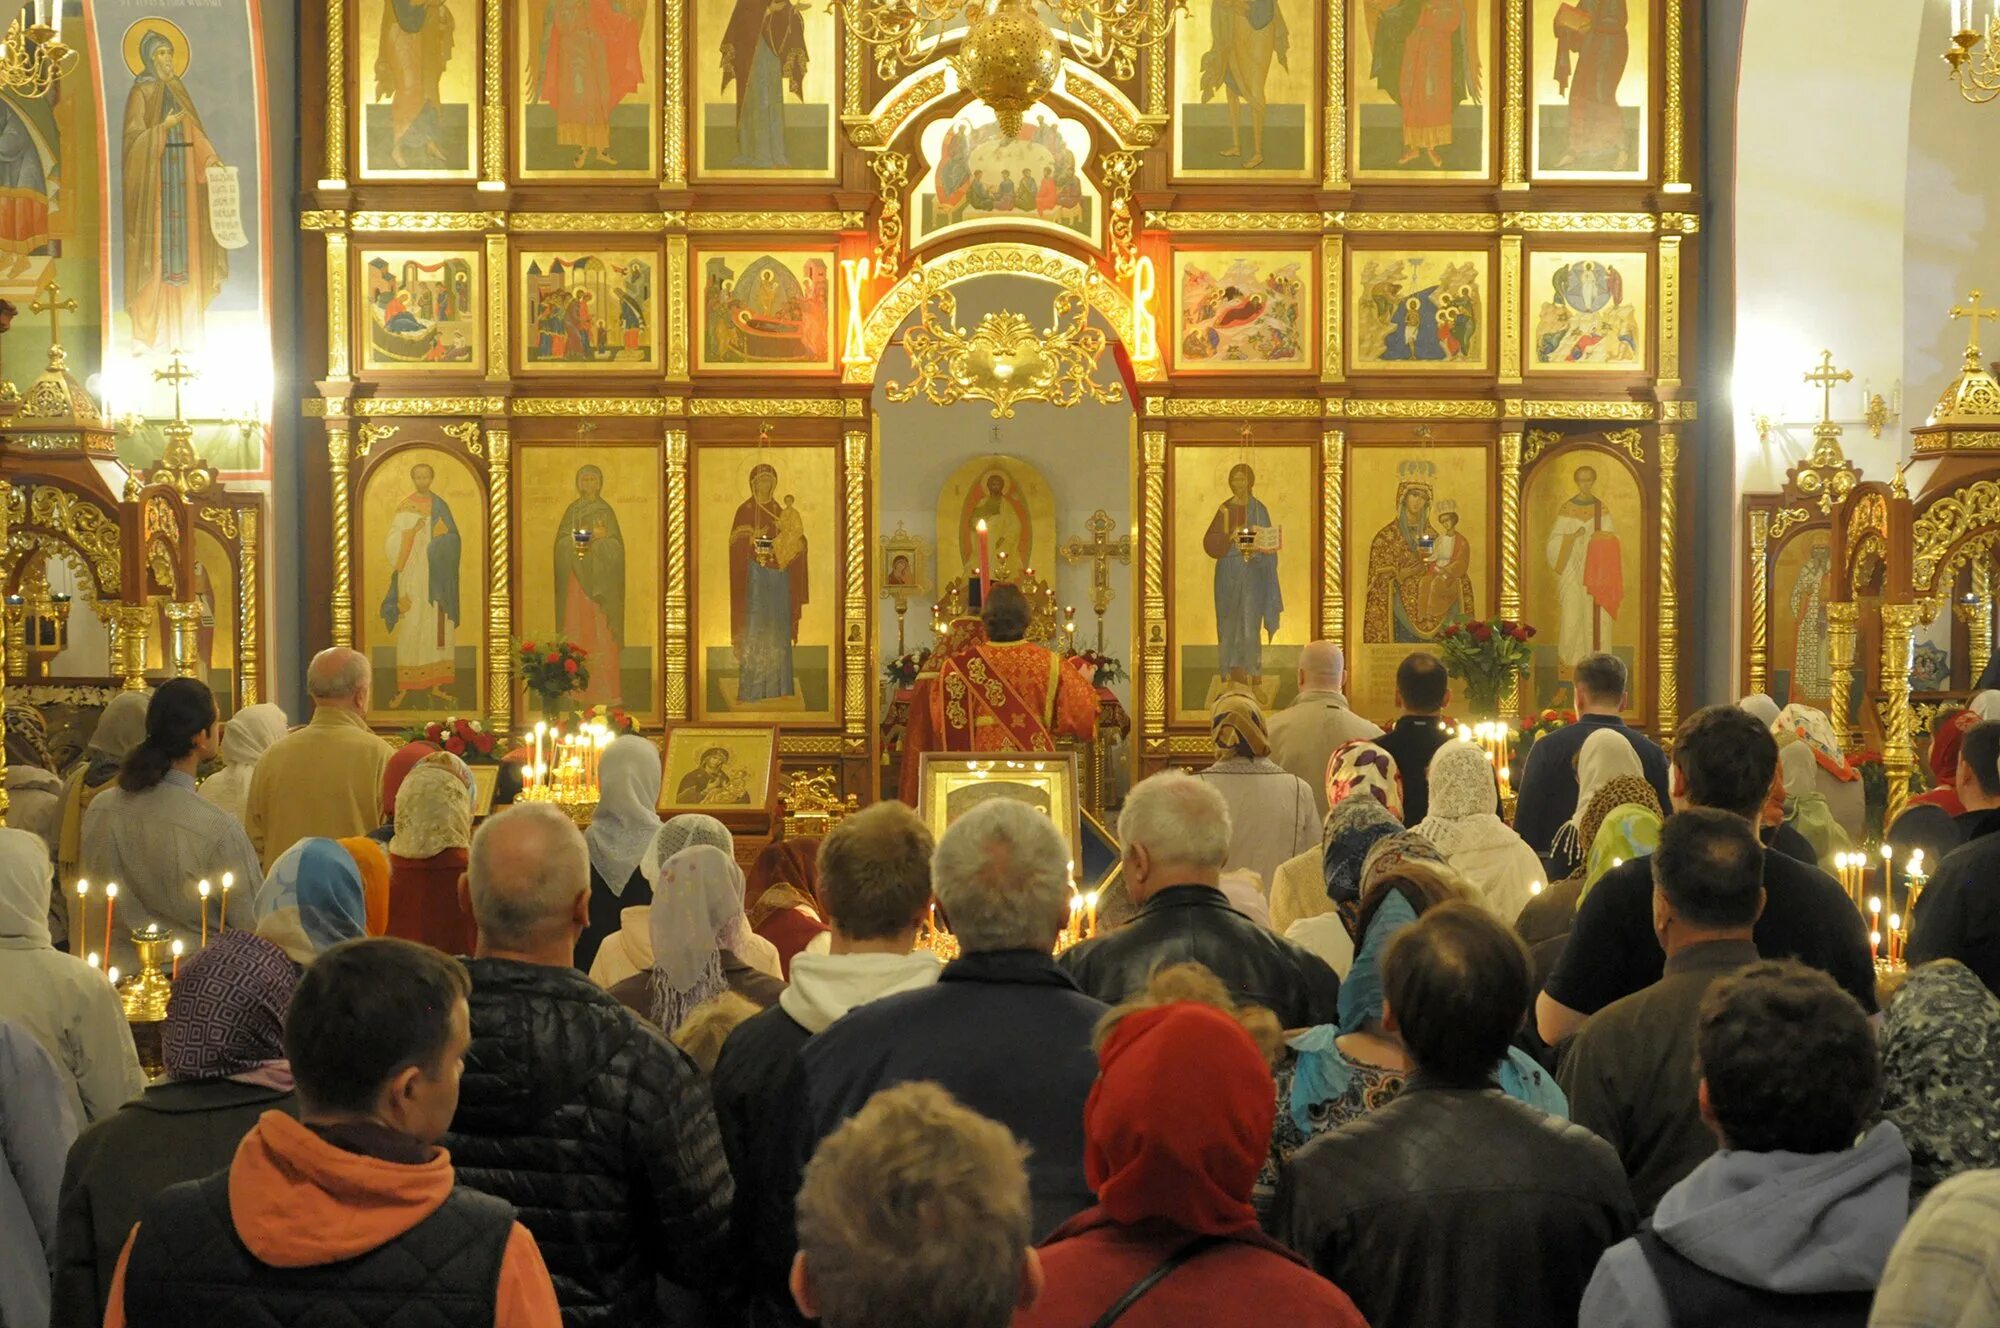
(1941, 1072)
(1358, 772)
(1273, 814)
(34, 792)
(225, 1059)
(1621, 821)
(427, 856)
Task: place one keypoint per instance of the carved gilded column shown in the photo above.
(1899, 747)
(857, 636)
(1510, 308)
(1153, 591)
(337, 337)
(128, 626)
(1842, 629)
(1333, 355)
(1332, 525)
(1670, 595)
(499, 344)
(673, 96)
(674, 612)
(1333, 171)
(1670, 311)
(335, 167)
(493, 100)
(249, 612)
(1510, 523)
(500, 594)
(6, 537)
(1673, 119)
(182, 620)
(1979, 630)
(338, 454)
(1514, 118)
(677, 308)
(1760, 599)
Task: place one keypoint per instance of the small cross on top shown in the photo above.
(176, 373)
(1826, 378)
(1971, 310)
(51, 303)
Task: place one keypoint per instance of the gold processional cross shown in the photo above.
(55, 307)
(1099, 551)
(176, 373)
(1826, 378)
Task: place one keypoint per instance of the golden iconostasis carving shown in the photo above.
(1409, 243)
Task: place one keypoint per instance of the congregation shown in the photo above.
(1364, 1052)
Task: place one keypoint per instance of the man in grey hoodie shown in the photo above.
(875, 884)
(1792, 1220)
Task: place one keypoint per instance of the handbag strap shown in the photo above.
(1199, 1245)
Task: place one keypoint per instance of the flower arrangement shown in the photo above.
(1104, 669)
(902, 671)
(553, 670)
(466, 739)
(1488, 656)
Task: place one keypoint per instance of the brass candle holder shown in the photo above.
(143, 996)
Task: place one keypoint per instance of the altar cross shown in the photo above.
(1972, 311)
(55, 307)
(1100, 551)
(1826, 378)
(176, 373)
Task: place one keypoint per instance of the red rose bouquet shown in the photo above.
(552, 670)
(1488, 656)
(466, 739)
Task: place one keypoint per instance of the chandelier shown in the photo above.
(1009, 57)
(1976, 72)
(33, 58)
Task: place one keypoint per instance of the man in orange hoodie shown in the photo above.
(352, 1209)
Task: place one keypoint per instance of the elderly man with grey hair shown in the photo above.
(324, 780)
(1004, 1030)
(1174, 833)
(583, 1117)
(1305, 733)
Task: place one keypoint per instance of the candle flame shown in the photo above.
(228, 879)
(111, 975)
(111, 890)
(201, 888)
(82, 888)
(92, 960)
(177, 948)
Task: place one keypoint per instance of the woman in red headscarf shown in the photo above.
(781, 897)
(1174, 1132)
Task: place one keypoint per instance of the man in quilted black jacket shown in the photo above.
(578, 1113)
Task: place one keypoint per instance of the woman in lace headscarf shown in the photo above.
(427, 855)
(1605, 756)
(699, 935)
(1465, 826)
(248, 734)
(629, 950)
(621, 830)
(1941, 1072)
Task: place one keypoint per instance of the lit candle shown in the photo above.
(985, 560)
(1091, 904)
(1534, 887)
(228, 879)
(1895, 937)
(111, 975)
(110, 907)
(76, 942)
(93, 961)
(201, 888)
(177, 947)
(1888, 862)
(1874, 945)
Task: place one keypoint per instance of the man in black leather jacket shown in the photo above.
(1454, 1203)
(571, 1107)
(1175, 833)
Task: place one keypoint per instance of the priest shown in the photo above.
(985, 689)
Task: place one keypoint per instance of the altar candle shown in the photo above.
(1888, 863)
(985, 560)
(228, 879)
(1874, 945)
(83, 915)
(110, 907)
(1895, 937)
(177, 947)
(1091, 903)
(201, 888)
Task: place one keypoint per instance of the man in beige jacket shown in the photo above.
(326, 778)
(1304, 733)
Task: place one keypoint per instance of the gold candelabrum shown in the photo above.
(33, 58)
(935, 933)
(143, 996)
(563, 768)
(1974, 55)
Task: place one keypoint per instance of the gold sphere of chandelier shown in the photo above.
(1010, 61)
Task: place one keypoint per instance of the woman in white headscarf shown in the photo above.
(63, 1002)
(1605, 756)
(629, 950)
(245, 738)
(621, 830)
(701, 939)
(1464, 826)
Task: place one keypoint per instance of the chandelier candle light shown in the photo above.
(1976, 72)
